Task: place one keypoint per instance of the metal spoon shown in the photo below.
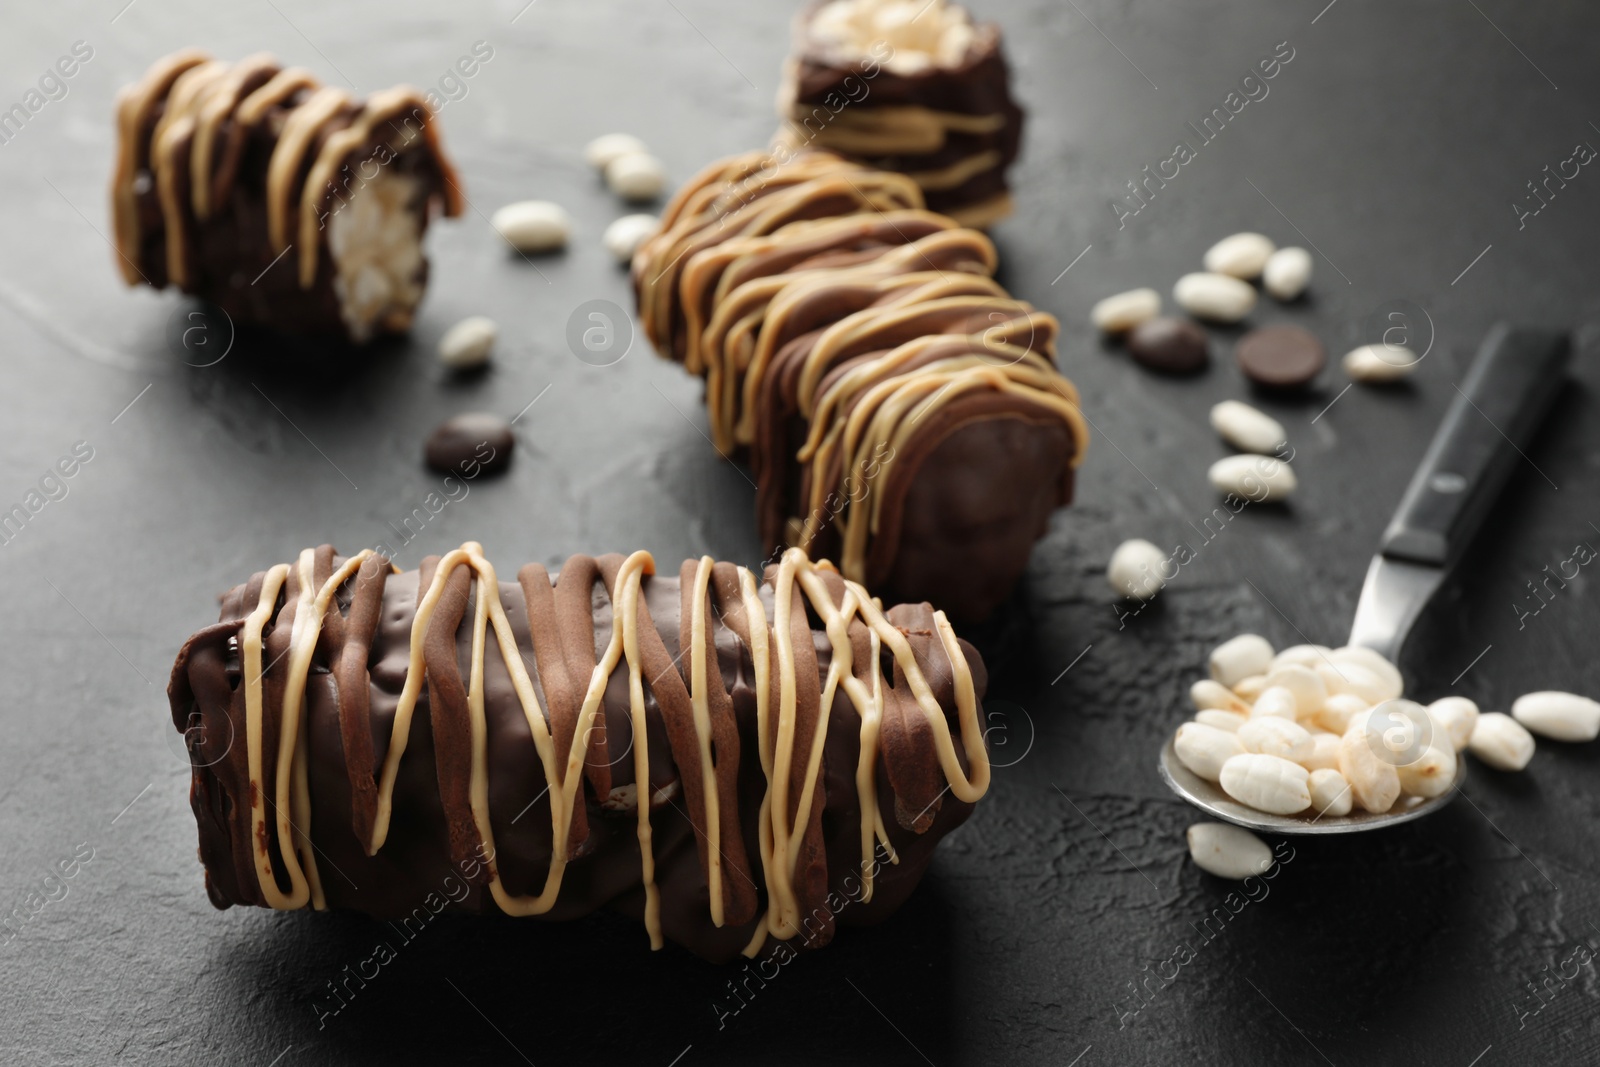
(1505, 397)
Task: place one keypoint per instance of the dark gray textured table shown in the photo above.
(1396, 141)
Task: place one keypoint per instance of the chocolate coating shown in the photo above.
(974, 509)
(230, 180)
(846, 335)
(1169, 345)
(359, 668)
(953, 126)
(474, 436)
(1281, 357)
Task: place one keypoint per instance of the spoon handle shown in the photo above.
(1492, 420)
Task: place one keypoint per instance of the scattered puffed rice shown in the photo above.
(602, 150)
(1301, 655)
(1348, 677)
(1247, 429)
(1251, 688)
(1324, 753)
(1501, 742)
(1235, 660)
(1210, 693)
(1339, 717)
(1309, 690)
(1228, 851)
(1123, 311)
(1456, 716)
(1218, 297)
(1267, 783)
(1558, 716)
(1337, 712)
(624, 236)
(1287, 273)
(1276, 737)
(533, 225)
(1380, 363)
(1387, 673)
(1373, 780)
(636, 176)
(1243, 255)
(1222, 720)
(468, 343)
(1432, 774)
(1275, 702)
(1330, 793)
(1255, 478)
(1204, 749)
(1135, 569)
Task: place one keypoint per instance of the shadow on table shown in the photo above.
(1376, 912)
(501, 990)
(303, 366)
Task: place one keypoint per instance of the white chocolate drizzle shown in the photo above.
(758, 255)
(199, 99)
(782, 819)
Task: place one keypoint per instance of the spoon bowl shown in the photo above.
(1209, 798)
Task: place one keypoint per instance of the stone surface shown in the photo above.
(1395, 139)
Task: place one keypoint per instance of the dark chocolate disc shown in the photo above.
(1281, 357)
(470, 444)
(1169, 345)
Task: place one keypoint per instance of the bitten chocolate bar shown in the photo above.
(287, 203)
(743, 767)
(913, 86)
(901, 411)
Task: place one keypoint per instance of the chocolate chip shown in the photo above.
(471, 444)
(1281, 357)
(1168, 345)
